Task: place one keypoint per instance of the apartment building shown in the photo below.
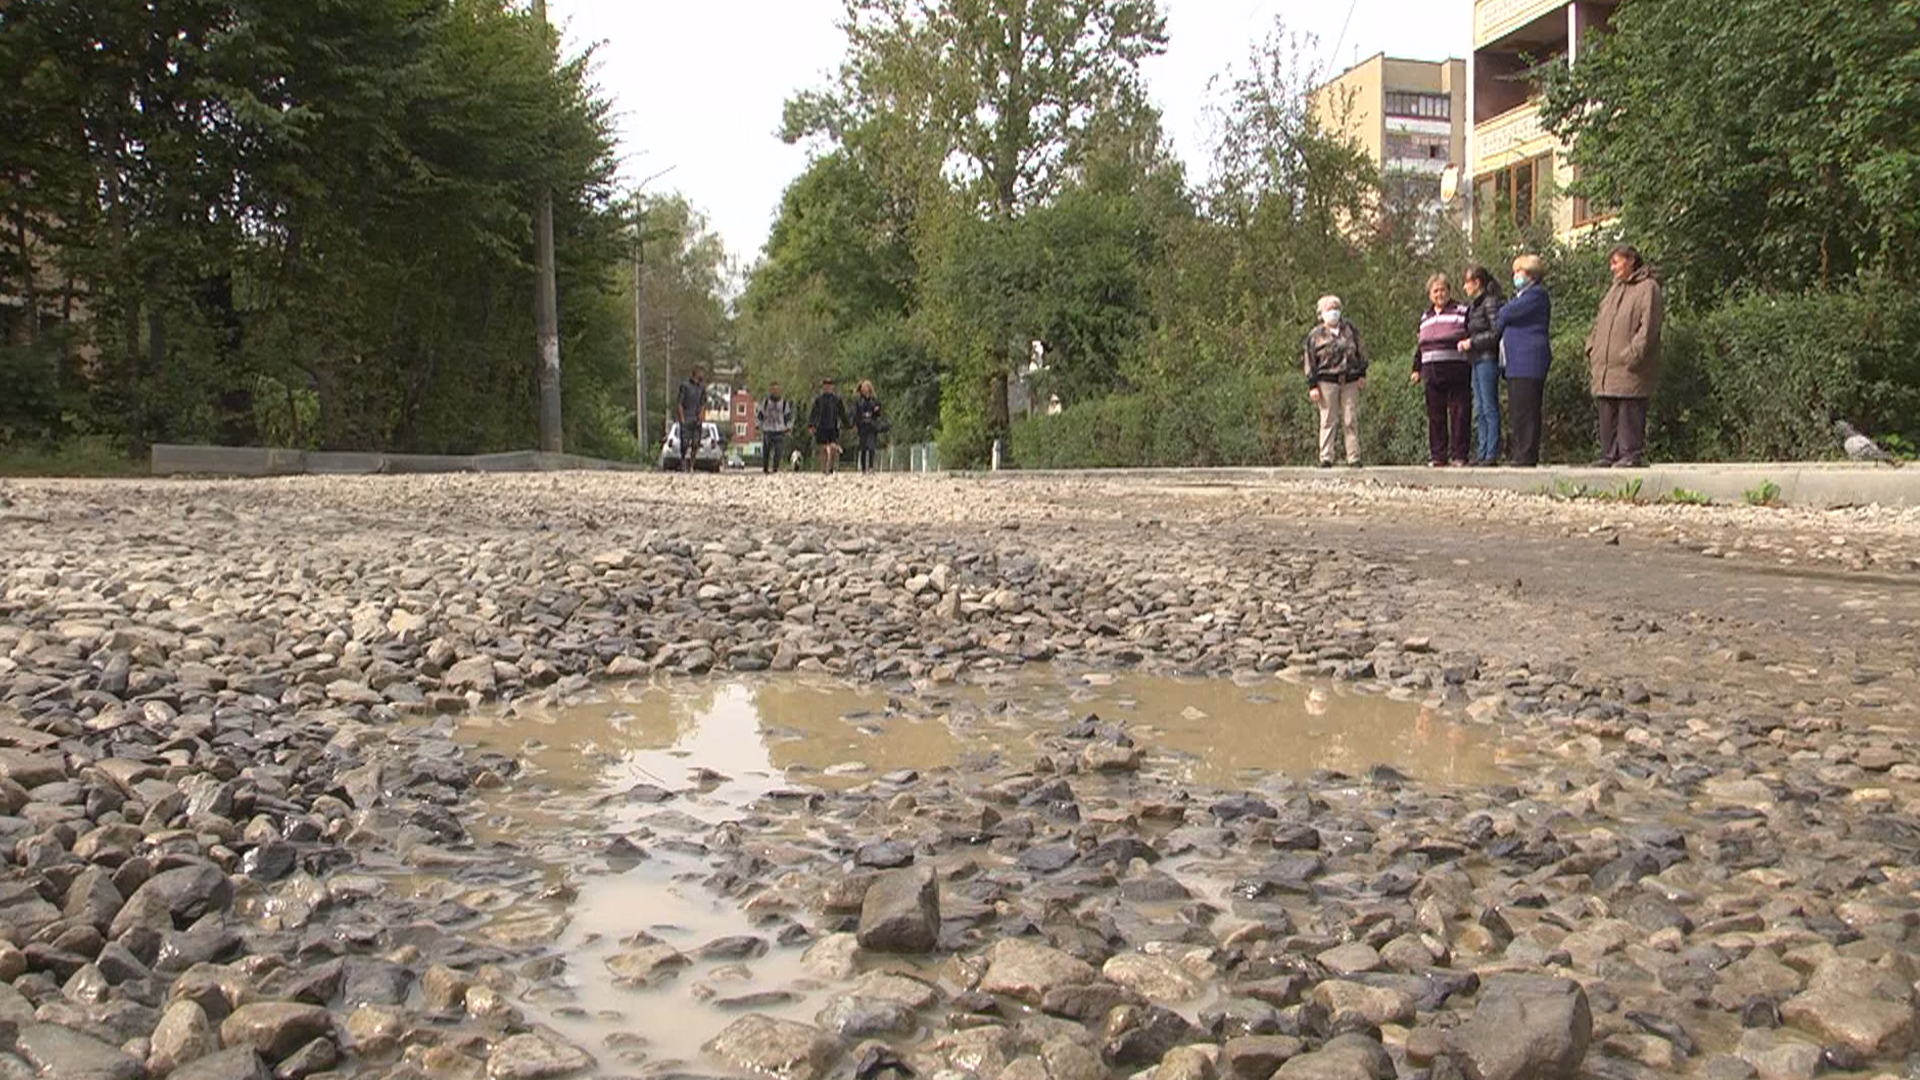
(1519, 170)
(1409, 116)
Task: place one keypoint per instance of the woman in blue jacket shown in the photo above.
(1526, 335)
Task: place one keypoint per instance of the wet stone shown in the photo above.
(185, 1034)
(1524, 1027)
(275, 1029)
(1778, 1056)
(536, 1056)
(884, 855)
(781, 1049)
(1257, 1057)
(71, 1055)
(1350, 959)
(240, 1063)
(1137, 1036)
(1027, 971)
(901, 912)
(1346, 1057)
(852, 1017)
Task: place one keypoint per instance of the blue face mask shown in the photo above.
(1520, 281)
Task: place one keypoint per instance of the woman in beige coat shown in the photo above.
(1623, 358)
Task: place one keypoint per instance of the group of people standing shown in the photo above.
(1464, 350)
(827, 422)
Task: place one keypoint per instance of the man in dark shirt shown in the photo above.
(688, 406)
(824, 423)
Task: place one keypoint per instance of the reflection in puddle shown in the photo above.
(632, 806)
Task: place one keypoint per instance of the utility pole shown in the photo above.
(546, 301)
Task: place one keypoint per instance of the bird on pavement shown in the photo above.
(1859, 447)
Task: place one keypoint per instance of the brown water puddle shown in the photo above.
(723, 746)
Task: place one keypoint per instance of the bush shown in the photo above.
(1244, 420)
(84, 456)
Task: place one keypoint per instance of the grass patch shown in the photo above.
(1767, 494)
(1684, 497)
(85, 457)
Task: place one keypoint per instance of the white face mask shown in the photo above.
(1331, 316)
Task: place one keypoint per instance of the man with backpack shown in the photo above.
(775, 418)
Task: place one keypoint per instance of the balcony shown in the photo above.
(1514, 135)
(1494, 19)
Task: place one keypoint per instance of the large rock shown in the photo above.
(1776, 1055)
(1350, 1002)
(901, 912)
(1155, 978)
(835, 957)
(1870, 1026)
(63, 1053)
(185, 1034)
(175, 899)
(240, 1063)
(275, 1028)
(1757, 975)
(899, 989)
(647, 965)
(31, 770)
(1186, 1063)
(781, 1049)
(853, 1017)
(1525, 1027)
(536, 1055)
(1349, 1057)
(1026, 970)
(474, 673)
(1350, 959)
(1257, 1057)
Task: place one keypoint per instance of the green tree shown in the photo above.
(270, 219)
(1792, 156)
(1005, 98)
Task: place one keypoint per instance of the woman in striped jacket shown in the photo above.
(1447, 374)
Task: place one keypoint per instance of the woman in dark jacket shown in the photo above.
(868, 422)
(1526, 331)
(1482, 346)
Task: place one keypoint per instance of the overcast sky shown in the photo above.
(698, 84)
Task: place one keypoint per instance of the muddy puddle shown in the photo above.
(633, 816)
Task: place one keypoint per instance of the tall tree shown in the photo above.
(1002, 96)
(1794, 154)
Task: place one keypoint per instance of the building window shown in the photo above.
(739, 431)
(1412, 146)
(739, 408)
(1587, 211)
(1517, 194)
(1419, 106)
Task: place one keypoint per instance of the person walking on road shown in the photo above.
(1442, 367)
(1623, 357)
(869, 423)
(689, 404)
(1526, 340)
(1336, 368)
(825, 422)
(1482, 346)
(775, 417)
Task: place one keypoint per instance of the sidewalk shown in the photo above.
(1823, 485)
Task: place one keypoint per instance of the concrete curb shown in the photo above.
(177, 460)
(1811, 484)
